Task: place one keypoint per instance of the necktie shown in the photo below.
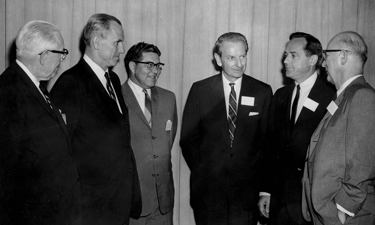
(148, 107)
(294, 108)
(109, 87)
(43, 88)
(232, 118)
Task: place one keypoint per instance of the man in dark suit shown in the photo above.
(39, 179)
(223, 133)
(296, 111)
(153, 125)
(339, 177)
(90, 95)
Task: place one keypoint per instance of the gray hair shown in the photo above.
(354, 42)
(230, 37)
(35, 37)
(98, 24)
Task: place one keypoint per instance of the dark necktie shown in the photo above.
(109, 87)
(294, 108)
(148, 107)
(232, 118)
(43, 88)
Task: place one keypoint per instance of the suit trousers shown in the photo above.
(231, 214)
(155, 218)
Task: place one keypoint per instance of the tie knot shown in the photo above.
(107, 76)
(145, 91)
(43, 88)
(298, 87)
(232, 84)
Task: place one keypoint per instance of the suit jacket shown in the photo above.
(216, 168)
(152, 146)
(286, 158)
(340, 161)
(39, 179)
(100, 137)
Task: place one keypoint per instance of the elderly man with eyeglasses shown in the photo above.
(339, 176)
(153, 126)
(38, 175)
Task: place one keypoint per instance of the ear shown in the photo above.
(218, 59)
(343, 57)
(95, 42)
(43, 58)
(132, 67)
(313, 60)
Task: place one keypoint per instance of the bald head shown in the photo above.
(353, 42)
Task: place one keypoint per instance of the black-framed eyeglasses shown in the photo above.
(151, 65)
(334, 50)
(63, 53)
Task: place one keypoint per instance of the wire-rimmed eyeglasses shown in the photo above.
(63, 53)
(151, 65)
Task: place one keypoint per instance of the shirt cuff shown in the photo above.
(339, 207)
(264, 194)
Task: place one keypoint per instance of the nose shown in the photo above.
(155, 69)
(121, 48)
(287, 59)
(239, 63)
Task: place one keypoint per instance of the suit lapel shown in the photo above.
(31, 90)
(155, 102)
(217, 104)
(132, 103)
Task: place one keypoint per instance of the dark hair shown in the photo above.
(98, 24)
(312, 47)
(135, 53)
(231, 37)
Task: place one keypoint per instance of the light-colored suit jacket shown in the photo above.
(340, 165)
(152, 146)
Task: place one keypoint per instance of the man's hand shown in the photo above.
(264, 205)
(342, 216)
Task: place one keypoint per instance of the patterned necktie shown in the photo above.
(232, 118)
(43, 88)
(294, 108)
(109, 87)
(148, 107)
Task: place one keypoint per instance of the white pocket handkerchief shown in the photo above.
(253, 113)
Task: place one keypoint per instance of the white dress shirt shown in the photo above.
(227, 89)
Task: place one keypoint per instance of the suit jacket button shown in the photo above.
(153, 175)
(153, 137)
(130, 170)
(155, 156)
(78, 179)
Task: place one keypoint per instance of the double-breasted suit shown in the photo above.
(288, 146)
(152, 147)
(100, 137)
(216, 167)
(340, 168)
(39, 178)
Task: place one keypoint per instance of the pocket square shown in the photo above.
(253, 113)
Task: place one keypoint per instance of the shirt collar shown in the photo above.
(95, 67)
(137, 88)
(309, 82)
(346, 83)
(29, 74)
(226, 82)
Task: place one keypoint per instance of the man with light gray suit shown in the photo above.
(339, 176)
(153, 125)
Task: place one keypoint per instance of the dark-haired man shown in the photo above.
(295, 112)
(153, 126)
(90, 95)
(222, 137)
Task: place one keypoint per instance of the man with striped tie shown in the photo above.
(223, 135)
(153, 126)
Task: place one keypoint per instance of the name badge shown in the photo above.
(332, 107)
(168, 125)
(249, 101)
(311, 104)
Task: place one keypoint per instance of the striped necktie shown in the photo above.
(43, 88)
(109, 87)
(232, 118)
(148, 107)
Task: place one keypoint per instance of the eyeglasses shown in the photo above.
(151, 65)
(63, 53)
(334, 50)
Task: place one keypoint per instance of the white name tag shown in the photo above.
(247, 101)
(311, 104)
(168, 125)
(332, 107)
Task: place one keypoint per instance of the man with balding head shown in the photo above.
(339, 176)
